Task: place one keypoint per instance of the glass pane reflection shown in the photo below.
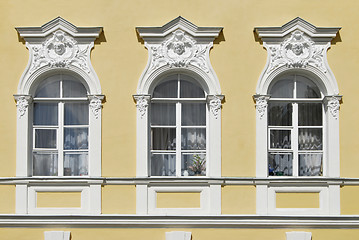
(193, 165)
(44, 164)
(280, 164)
(310, 164)
(163, 165)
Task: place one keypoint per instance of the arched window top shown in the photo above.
(294, 86)
(60, 86)
(178, 86)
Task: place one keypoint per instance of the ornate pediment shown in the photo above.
(59, 44)
(296, 45)
(178, 44)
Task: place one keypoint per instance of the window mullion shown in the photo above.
(295, 139)
(60, 139)
(178, 139)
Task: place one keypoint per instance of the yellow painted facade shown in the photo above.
(238, 58)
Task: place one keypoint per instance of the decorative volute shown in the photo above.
(179, 45)
(59, 44)
(297, 45)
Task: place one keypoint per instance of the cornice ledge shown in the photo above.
(58, 23)
(271, 33)
(147, 33)
(219, 221)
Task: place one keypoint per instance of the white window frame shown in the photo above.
(283, 60)
(44, 60)
(163, 61)
(178, 127)
(294, 128)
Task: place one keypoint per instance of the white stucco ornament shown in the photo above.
(179, 45)
(59, 46)
(297, 46)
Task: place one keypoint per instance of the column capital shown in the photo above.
(96, 103)
(332, 103)
(142, 102)
(261, 102)
(215, 104)
(22, 103)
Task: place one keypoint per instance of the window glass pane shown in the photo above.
(193, 138)
(310, 114)
(193, 165)
(166, 89)
(163, 114)
(76, 164)
(190, 90)
(73, 89)
(280, 139)
(279, 114)
(283, 88)
(306, 88)
(163, 165)
(75, 138)
(193, 114)
(45, 114)
(49, 88)
(45, 138)
(310, 164)
(280, 164)
(163, 138)
(310, 139)
(76, 114)
(44, 164)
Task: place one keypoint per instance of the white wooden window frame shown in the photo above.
(45, 61)
(178, 126)
(192, 60)
(282, 60)
(294, 128)
(60, 128)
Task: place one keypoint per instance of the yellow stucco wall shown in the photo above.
(297, 200)
(119, 199)
(178, 200)
(58, 199)
(119, 58)
(159, 233)
(238, 200)
(7, 199)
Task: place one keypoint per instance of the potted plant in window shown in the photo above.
(198, 166)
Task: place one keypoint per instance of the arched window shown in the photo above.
(295, 127)
(60, 127)
(178, 128)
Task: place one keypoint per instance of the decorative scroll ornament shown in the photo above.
(179, 51)
(261, 104)
(22, 103)
(59, 51)
(297, 51)
(215, 104)
(96, 105)
(142, 104)
(333, 106)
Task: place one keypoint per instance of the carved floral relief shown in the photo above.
(180, 50)
(297, 51)
(59, 50)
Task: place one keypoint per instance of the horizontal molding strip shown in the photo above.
(199, 181)
(224, 221)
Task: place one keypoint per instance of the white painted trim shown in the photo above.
(57, 235)
(205, 221)
(298, 235)
(178, 235)
(85, 200)
(204, 201)
(280, 62)
(42, 63)
(210, 200)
